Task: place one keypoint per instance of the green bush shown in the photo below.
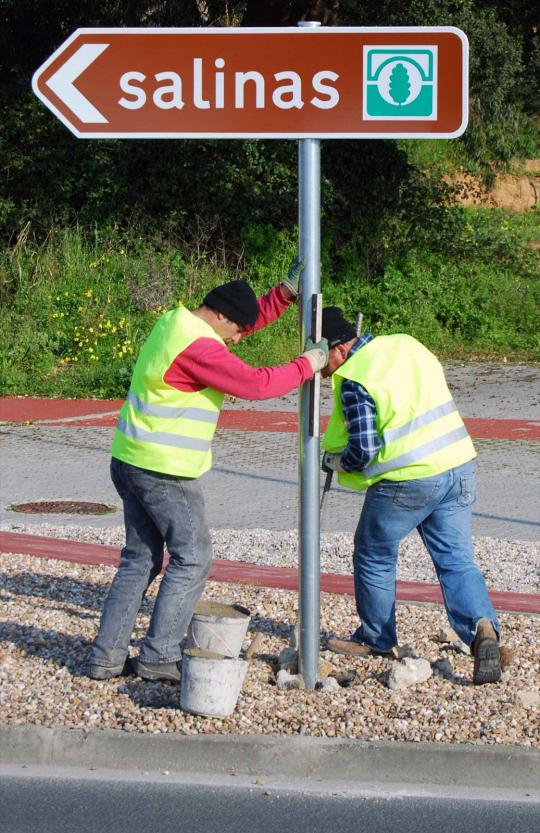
(484, 299)
(78, 307)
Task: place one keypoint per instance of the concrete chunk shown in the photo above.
(408, 672)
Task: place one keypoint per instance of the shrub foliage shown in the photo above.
(100, 236)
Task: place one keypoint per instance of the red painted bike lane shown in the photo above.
(94, 413)
(238, 572)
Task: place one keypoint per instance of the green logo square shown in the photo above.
(400, 83)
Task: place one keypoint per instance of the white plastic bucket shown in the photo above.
(210, 683)
(218, 627)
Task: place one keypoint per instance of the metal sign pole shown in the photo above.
(309, 201)
(309, 454)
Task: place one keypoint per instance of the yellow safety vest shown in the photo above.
(161, 428)
(417, 419)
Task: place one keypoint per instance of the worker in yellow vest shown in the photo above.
(395, 432)
(162, 445)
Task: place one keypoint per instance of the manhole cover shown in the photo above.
(62, 507)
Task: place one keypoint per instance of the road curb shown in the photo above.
(272, 755)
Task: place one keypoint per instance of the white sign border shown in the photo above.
(238, 30)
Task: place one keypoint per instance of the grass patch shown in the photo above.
(77, 307)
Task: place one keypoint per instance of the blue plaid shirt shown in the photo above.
(360, 415)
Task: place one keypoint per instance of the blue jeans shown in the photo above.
(159, 509)
(441, 510)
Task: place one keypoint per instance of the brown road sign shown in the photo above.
(262, 83)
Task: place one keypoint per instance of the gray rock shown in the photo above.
(288, 681)
(288, 660)
(294, 639)
(443, 668)
(448, 636)
(402, 651)
(528, 698)
(330, 684)
(408, 672)
(462, 647)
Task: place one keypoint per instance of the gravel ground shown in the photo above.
(507, 565)
(50, 612)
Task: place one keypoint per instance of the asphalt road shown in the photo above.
(79, 801)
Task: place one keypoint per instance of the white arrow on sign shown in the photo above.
(61, 83)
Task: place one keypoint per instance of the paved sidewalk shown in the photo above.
(59, 449)
(253, 482)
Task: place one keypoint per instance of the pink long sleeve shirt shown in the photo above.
(208, 364)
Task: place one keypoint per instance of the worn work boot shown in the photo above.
(359, 649)
(159, 670)
(486, 652)
(104, 672)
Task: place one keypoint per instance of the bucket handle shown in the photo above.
(228, 652)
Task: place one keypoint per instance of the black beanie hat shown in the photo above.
(335, 327)
(236, 300)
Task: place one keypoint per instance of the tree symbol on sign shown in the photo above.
(400, 87)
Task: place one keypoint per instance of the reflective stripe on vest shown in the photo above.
(167, 412)
(419, 421)
(160, 438)
(417, 453)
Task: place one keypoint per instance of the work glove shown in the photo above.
(316, 354)
(331, 462)
(292, 281)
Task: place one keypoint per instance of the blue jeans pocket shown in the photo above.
(385, 488)
(415, 494)
(150, 488)
(467, 492)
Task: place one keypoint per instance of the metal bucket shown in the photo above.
(219, 628)
(211, 682)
